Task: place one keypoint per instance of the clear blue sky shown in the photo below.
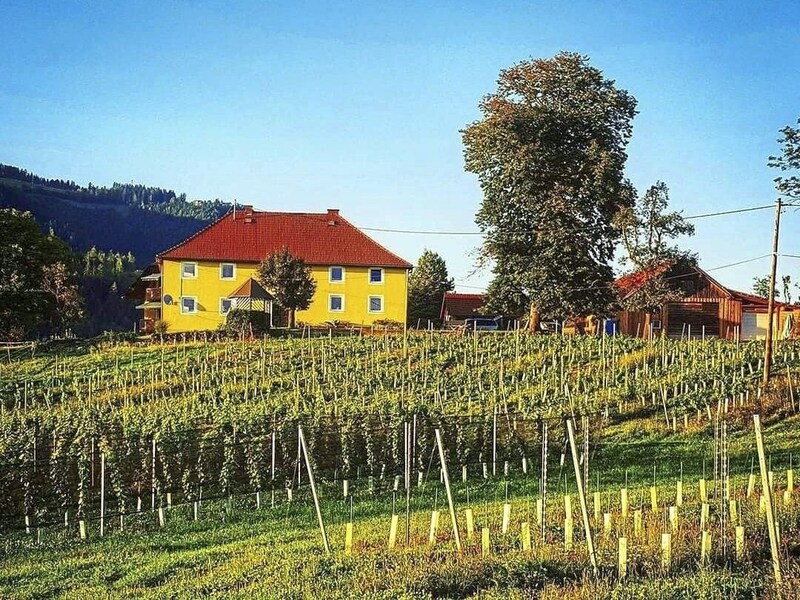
(306, 106)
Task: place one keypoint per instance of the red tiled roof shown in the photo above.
(459, 305)
(317, 238)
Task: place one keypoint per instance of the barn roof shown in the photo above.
(754, 301)
(633, 281)
(462, 304)
(247, 235)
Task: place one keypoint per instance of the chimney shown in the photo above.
(332, 214)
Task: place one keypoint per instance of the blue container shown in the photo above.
(612, 326)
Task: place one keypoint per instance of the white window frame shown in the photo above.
(330, 274)
(230, 308)
(183, 273)
(369, 305)
(188, 312)
(369, 275)
(331, 297)
(232, 277)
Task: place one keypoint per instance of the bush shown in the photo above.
(245, 323)
(388, 325)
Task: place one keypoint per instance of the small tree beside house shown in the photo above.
(427, 284)
(288, 278)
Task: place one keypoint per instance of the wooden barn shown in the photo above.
(708, 309)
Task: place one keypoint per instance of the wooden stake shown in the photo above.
(582, 496)
(102, 494)
(447, 489)
(773, 534)
(313, 484)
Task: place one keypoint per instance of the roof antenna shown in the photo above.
(234, 209)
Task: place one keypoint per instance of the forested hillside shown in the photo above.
(124, 218)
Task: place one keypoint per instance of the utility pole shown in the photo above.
(771, 298)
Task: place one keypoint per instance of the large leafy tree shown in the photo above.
(289, 279)
(647, 229)
(549, 153)
(427, 285)
(38, 290)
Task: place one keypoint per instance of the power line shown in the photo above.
(681, 276)
(523, 232)
(730, 212)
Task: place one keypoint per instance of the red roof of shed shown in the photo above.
(318, 238)
(461, 304)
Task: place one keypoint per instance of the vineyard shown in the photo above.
(428, 465)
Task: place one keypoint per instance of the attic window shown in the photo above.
(688, 287)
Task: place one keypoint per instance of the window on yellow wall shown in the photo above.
(375, 304)
(188, 270)
(376, 275)
(335, 303)
(188, 305)
(225, 305)
(227, 271)
(336, 275)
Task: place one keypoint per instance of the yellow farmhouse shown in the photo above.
(201, 279)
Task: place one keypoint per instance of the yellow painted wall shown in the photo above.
(208, 288)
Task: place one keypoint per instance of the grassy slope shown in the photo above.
(276, 552)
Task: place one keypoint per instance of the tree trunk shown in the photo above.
(533, 318)
(291, 318)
